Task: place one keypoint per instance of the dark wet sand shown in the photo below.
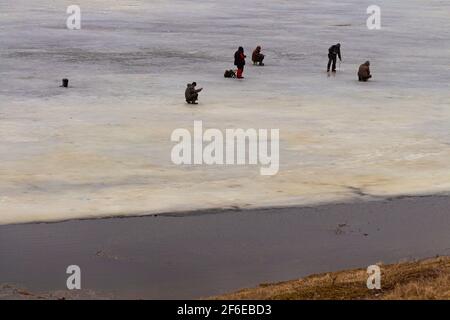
(198, 255)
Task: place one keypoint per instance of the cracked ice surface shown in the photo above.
(103, 146)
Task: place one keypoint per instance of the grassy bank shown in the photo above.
(425, 279)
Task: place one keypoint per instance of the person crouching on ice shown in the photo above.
(364, 71)
(191, 94)
(239, 61)
(257, 56)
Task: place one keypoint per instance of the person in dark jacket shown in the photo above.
(191, 94)
(257, 56)
(333, 52)
(239, 61)
(364, 72)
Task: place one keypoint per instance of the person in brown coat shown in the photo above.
(257, 56)
(364, 71)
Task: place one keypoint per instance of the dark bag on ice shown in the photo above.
(229, 74)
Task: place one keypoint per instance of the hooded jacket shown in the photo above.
(364, 70)
(335, 50)
(239, 58)
(256, 54)
(190, 92)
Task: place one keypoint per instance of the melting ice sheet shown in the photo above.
(102, 147)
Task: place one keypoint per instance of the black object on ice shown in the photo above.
(65, 83)
(229, 74)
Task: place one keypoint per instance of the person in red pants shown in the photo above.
(239, 61)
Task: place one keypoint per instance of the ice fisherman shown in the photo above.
(191, 94)
(239, 62)
(257, 56)
(364, 71)
(333, 52)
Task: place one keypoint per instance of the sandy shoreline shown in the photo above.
(198, 255)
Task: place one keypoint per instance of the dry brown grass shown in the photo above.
(425, 279)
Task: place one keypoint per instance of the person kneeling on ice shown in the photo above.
(364, 71)
(239, 61)
(191, 94)
(257, 56)
(333, 52)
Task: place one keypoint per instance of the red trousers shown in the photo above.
(239, 72)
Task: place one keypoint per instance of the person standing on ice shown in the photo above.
(333, 52)
(239, 61)
(257, 56)
(364, 72)
(191, 94)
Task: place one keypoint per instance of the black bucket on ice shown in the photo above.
(65, 83)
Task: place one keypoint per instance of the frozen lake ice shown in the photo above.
(102, 147)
